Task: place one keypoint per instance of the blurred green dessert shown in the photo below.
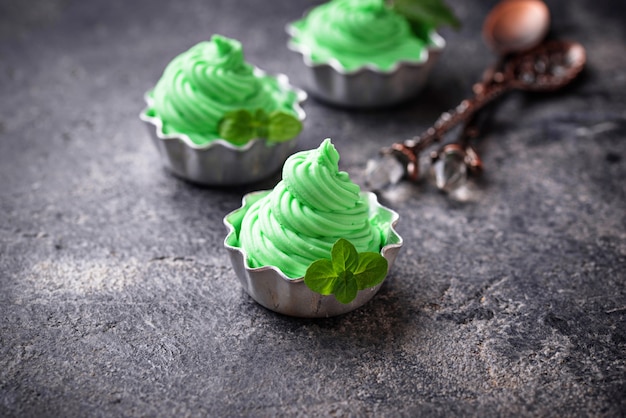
(357, 33)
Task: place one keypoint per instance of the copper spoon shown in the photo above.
(547, 67)
(512, 26)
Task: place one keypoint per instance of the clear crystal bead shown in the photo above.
(450, 170)
(383, 171)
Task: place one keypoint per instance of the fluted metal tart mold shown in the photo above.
(270, 287)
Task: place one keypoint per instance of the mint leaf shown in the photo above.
(283, 126)
(261, 117)
(429, 13)
(240, 126)
(237, 127)
(345, 287)
(344, 256)
(371, 270)
(346, 272)
(320, 277)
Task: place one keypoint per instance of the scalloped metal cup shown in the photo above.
(367, 86)
(221, 163)
(270, 287)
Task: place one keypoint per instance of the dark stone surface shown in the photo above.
(117, 297)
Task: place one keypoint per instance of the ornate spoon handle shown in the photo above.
(409, 149)
(547, 67)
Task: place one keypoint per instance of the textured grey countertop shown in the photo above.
(117, 297)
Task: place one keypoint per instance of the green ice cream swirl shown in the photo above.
(202, 84)
(356, 33)
(306, 213)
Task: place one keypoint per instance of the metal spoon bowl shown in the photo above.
(549, 66)
(516, 25)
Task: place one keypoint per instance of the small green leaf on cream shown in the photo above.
(283, 126)
(237, 127)
(241, 126)
(346, 272)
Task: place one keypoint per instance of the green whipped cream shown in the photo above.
(313, 206)
(202, 84)
(357, 33)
